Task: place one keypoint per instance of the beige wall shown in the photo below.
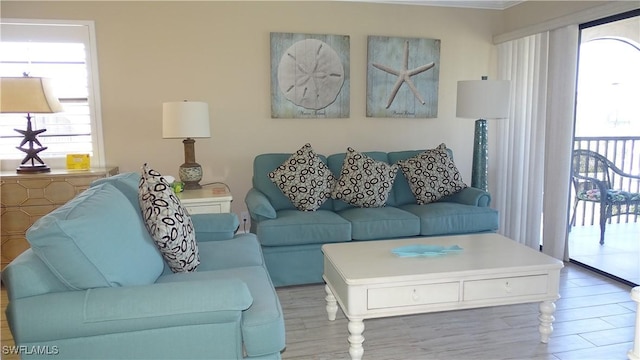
(218, 52)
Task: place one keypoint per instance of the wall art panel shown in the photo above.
(309, 76)
(402, 77)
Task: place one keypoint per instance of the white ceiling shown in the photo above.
(476, 4)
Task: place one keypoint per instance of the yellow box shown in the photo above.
(78, 162)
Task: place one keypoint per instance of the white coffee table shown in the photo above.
(368, 281)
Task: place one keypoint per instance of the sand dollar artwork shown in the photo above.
(310, 74)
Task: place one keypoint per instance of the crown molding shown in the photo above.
(584, 16)
(473, 4)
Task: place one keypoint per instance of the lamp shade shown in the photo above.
(185, 119)
(483, 99)
(27, 95)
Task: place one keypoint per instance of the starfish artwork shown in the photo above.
(404, 76)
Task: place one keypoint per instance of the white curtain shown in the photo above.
(531, 151)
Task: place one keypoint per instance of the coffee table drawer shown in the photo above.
(505, 287)
(412, 295)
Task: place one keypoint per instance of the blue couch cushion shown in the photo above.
(381, 223)
(263, 330)
(264, 164)
(293, 227)
(443, 218)
(127, 183)
(96, 240)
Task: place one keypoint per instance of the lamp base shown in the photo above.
(191, 174)
(31, 138)
(479, 169)
(33, 169)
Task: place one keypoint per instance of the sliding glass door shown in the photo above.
(607, 124)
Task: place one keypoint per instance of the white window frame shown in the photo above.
(89, 38)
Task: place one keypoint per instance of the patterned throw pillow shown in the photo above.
(364, 182)
(432, 175)
(304, 179)
(168, 222)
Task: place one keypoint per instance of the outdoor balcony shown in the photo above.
(619, 256)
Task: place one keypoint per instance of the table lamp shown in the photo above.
(30, 95)
(188, 120)
(482, 99)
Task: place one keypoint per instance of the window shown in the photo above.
(64, 52)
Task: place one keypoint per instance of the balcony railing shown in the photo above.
(624, 152)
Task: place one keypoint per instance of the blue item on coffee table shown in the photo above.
(425, 250)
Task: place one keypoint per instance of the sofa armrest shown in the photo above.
(259, 206)
(470, 196)
(210, 227)
(125, 309)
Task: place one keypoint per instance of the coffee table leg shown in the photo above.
(547, 308)
(356, 328)
(332, 304)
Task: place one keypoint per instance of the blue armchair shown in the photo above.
(91, 287)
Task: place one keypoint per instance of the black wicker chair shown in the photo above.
(591, 175)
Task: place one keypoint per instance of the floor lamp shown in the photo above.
(187, 120)
(30, 95)
(482, 99)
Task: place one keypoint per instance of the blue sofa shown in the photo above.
(291, 239)
(94, 286)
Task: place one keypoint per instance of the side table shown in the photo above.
(27, 197)
(211, 199)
